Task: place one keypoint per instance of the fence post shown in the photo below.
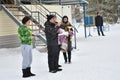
(33, 41)
(75, 38)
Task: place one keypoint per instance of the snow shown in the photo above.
(96, 58)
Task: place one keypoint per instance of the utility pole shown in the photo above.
(84, 9)
(84, 3)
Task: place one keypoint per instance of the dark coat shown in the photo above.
(51, 34)
(98, 21)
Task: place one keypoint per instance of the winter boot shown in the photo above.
(103, 34)
(29, 71)
(59, 65)
(25, 73)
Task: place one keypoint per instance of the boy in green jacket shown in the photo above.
(25, 35)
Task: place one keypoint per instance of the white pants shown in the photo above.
(27, 56)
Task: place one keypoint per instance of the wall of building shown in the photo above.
(8, 31)
(61, 10)
(66, 10)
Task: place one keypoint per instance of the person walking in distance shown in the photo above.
(52, 43)
(99, 24)
(25, 35)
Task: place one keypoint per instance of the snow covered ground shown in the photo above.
(96, 58)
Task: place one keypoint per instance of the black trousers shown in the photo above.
(53, 57)
(67, 56)
(100, 29)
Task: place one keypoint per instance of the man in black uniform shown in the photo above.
(99, 23)
(52, 43)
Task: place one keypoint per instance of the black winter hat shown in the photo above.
(49, 17)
